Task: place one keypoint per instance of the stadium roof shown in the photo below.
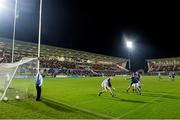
(30, 49)
(164, 59)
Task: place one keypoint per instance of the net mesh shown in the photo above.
(17, 79)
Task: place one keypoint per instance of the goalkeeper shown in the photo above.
(106, 85)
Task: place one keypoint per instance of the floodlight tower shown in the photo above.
(129, 45)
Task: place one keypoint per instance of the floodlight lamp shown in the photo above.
(129, 44)
(2, 4)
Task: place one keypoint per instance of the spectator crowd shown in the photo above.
(55, 67)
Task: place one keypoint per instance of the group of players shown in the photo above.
(135, 84)
(171, 75)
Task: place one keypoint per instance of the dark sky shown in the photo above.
(98, 26)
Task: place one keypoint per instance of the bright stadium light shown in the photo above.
(129, 44)
(2, 4)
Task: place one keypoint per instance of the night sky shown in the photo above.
(98, 26)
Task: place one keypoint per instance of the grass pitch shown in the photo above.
(68, 98)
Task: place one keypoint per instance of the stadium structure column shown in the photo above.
(129, 60)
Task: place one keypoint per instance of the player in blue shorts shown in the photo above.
(135, 83)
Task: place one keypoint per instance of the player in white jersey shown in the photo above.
(159, 75)
(106, 85)
(171, 75)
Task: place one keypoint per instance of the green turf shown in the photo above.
(77, 98)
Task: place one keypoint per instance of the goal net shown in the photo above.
(17, 79)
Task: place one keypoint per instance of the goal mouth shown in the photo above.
(17, 79)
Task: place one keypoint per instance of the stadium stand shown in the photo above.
(164, 65)
(62, 61)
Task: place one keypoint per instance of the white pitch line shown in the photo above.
(133, 110)
(85, 110)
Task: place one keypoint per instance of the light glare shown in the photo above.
(2, 4)
(129, 44)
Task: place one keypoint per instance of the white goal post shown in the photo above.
(16, 77)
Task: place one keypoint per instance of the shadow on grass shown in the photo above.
(171, 97)
(162, 95)
(124, 100)
(133, 101)
(68, 108)
(57, 106)
(35, 106)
